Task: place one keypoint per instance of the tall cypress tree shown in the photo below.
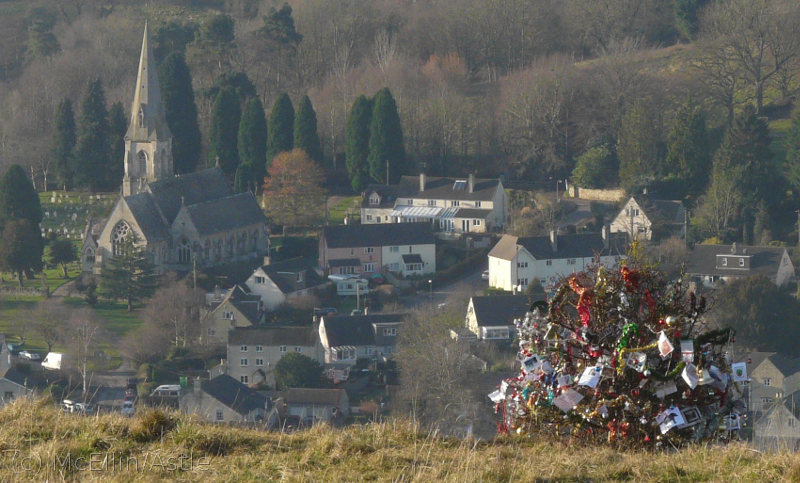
(181, 112)
(243, 179)
(792, 143)
(224, 131)
(64, 142)
(281, 128)
(305, 130)
(688, 152)
(253, 144)
(118, 126)
(357, 142)
(386, 139)
(18, 199)
(93, 149)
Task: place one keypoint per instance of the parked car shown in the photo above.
(485, 275)
(67, 406)
(128, 409)
(29, 356)
(130, 392)
(84, 408)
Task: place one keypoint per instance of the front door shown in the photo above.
(465, 225)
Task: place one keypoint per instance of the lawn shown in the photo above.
(344, 206)
(118, 320)
(13, 318)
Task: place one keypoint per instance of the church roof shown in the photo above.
(148, 121)
(225, 214)
(149, 219)
(189, 189)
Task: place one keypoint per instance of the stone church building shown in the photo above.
(181, 220)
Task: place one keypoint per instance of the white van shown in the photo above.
(348, 284)
(55, 361)
(167, 390)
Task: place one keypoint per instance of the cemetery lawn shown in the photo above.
(114, 315)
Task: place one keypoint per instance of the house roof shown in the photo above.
(318, 397)
(497, 310)
(412, 258)
(225, 214)
(387, 194)
(234, 394)
(247, 304)
(283, 274)
(188, 189)
(763, 260)
(344, 262)
(273, 336)
(568, 246)
(15, 376)
(654, 207)
(377, 235)
(355, 330)
(444, 189)
(148, 217)
(476, 213)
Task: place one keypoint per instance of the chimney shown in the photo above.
(422, 179)
(267, 260)
(644, 191)
(733, 248)
(471, 183)
(197, 385)
(554, 240)
(605, 236)
(217, 293)
(346, 220)
(366, 310)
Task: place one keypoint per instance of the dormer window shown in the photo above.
(724, 262)
(741, 262)
(299, 277)
(374, 200)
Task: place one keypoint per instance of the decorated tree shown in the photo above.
(623, 357)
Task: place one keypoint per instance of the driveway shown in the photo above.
(471, 283)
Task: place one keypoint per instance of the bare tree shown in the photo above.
(176, 309)
(82, 339)
(47, 320)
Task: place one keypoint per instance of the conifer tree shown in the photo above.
(130, 275)
(118, 126)
(386, 139)
(688, 153)
(305, 130)
(792, 143)
(93, 149)
(180, 112)
(243, 179)
(224, 132)
(281, 128)
(64, 142)
(18, 199)
(21, 248)
(357, 142)
(253, 144)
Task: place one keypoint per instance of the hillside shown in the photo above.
(390, 452)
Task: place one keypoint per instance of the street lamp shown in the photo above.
(430, 284)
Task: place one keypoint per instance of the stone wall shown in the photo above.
(612, 195)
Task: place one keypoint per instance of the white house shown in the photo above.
(493, 317)
(642, 213)
(345, 339)
(707, 264)
(277, 282)
(515, 261)
(456, 205)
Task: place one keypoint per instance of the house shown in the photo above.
(13, 385)
(403, 248)
(253, 352)
(180, 221)
(275, 283)
(707, 264)
(237, 308)
(778, 428)
(311, 406)
(514, 262)
(224, 399)
(345, 339)
(493, 317)
(773, 377)
(455, 205)
(645, 214)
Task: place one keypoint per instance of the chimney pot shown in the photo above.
(554, 240)
(422, 181)
(733, 248)
(605, 233)
(267, 260)
(197, 385)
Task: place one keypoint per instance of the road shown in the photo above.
(470, 283)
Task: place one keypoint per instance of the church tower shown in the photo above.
(148, 142)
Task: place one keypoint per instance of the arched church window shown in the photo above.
(89, 255)
(118, 236)
(142, 163)
(141, 117)
(184, 251)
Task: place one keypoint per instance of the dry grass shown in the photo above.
(386, 452)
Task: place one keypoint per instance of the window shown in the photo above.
(244, 379)
(298, 349)
(374, 200)
(259, 348)
(142, 163)
(211, 331)
(724, 262)
(394, 267)
(431, 202)
(243, 362)
(347, 270)
(379, 219)
(766, 400)
(341, 354)
(455, 203)
(549, 263)
(522, 264)
(391, 331)
(497, 333)
(299, 277)
(243, 348)
(118, 237)
(220, 416)
(8, 396)
(261, 279)
(766, 381)
(184, 251)
(259, 362)
(394, 249)
(227, 315)
(90, 255)
(522, 281)
(369, 351)
(792, 423)
(413, 267)
(642, 229)
(352, 251)
(369, 250)
(571, 261)
(389, 349)
(741, 264)
(460, 184)
(369, 217)
(476, 222)
(409, 249)
(477, 204)
(635, 212)
(369, 267)
(282, 348)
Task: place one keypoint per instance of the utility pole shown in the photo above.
(194, 269)
(686, 227)
(387, 172)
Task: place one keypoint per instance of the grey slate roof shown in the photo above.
(476, 213)
(198, 187)
(225, 214)
(283, 274)
(442, 189)
(497, 310)
(568, 246)
(15, 376)
(316, 397)
(412, 258)
(355, 330)
(764, 261)
(344, 262)
(149, 219)
(378, 235)
(388, 196)
(273, 336)
(249, 305)
(656, 208)
(234, 394)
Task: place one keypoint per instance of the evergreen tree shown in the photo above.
(130, 275)
(18, 199)
(386, 139)
(245, 88)
(298, 370)
(281, 128)
(118, 126)
(93, 148)
(357, 142)
(593, 169)
(64, 142)
(180, 112)
(243, 178)
(688, 153)
(686, 16)
(638, 148)
(305, 130)
(62, 253)
(21, 248)
(253, 144)
(224, 130)
(792, 143)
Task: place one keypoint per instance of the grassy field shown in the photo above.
(342, 207)
(140, 449)
(117, 320)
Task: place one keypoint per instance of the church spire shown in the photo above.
(148, 121)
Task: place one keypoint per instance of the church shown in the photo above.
(181, 220)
